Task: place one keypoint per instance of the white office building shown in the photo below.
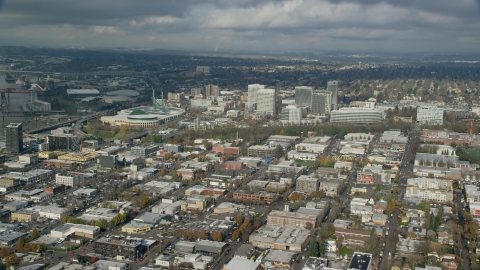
(253, 95)
(356, 116)
(321, 102)
(69, 180)
(332, 87)
(266, 101)
(430, 115)
(303, 96)
(291, 114)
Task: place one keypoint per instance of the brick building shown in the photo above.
(290, 219)
(257, 197)
(233, 165)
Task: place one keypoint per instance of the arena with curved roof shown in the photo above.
(143, 117)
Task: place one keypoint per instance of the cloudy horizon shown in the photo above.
(247, 25)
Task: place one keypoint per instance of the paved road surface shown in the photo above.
(393, 221)
(461, 221)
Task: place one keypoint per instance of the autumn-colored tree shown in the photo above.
(34, 233)
(202, 235)
(14, 260)
(4, 252)
(317, 194)
(395, 190)
(217, 236)
(325, 161)
(163, 171)
(6, 261)
(238, 218)
(235, 235)
(296, 197)
(20, 243)
(391, 206)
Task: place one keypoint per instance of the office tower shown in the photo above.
(196, 91)
(14, 138)
(332, 86)
(291, 114)
(321, 102)
(303, 96)
(212, 90)
(252, 95)
(266, 101)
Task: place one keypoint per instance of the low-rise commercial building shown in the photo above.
(260, 196)
(24, 215)
(7, 240)
(291, 219)
(261, 151)
(69, 179)
(282, 238)
(66, 230)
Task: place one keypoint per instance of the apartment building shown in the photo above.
(429, 189)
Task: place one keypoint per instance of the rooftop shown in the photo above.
(241, 264)
(360, 261)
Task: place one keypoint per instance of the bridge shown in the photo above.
(29, 113)
(75, 75)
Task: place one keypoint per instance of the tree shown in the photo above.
(238, 218)
(20, 243)
(4, 252)
(308, 226)
(217, 236)
(175, 176)
(414, 260)
(391, 206)
(185, 265)
(34, 233)
(257, 222)
(317, 194)
(313, 249)
(235, 235)
(296, 197)
(7, 261)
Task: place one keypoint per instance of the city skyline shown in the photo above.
(273, 25)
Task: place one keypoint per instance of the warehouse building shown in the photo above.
(211, 248)
(283, 238)
(68, 229)
(82, 93)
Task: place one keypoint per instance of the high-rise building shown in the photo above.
(63, 142)
(303, 96)
(321, 102)
(14, 138)
(266, 101)
(196, 91)
(253, 95)
(332, 86)
(291, 114)
(212, 90)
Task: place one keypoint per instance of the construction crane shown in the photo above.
(5, 96)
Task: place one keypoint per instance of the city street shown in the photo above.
(405, 169)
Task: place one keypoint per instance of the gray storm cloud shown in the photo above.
(356, 25)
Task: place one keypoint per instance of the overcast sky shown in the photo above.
(320, 25)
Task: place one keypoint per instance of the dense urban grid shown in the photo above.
(116, 160)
